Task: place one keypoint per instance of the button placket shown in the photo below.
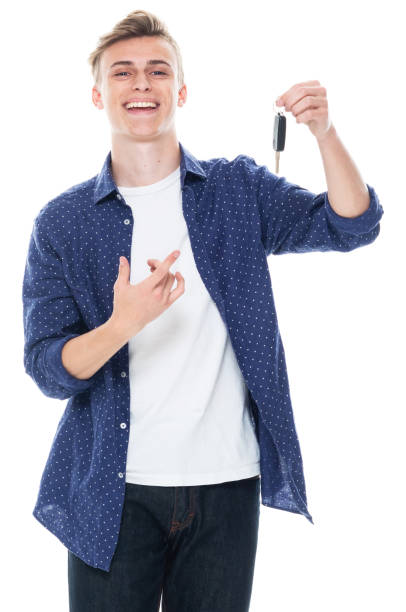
(123, 374)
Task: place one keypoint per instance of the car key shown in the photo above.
(279, 136)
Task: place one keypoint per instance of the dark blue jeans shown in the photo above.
(194, 545)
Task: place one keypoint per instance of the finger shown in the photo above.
(168, 285)
(123, 271)
(163, 268)
(180, 288)
(313, 101)
(289, 91)
(304, 83)
(299, 91)
(151, 264)
(311, 114)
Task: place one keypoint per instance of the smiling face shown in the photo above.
(145, 68)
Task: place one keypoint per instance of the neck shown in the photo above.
(140, 163)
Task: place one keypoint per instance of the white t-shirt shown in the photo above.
(189, 419)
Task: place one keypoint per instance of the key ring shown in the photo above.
(277, 110)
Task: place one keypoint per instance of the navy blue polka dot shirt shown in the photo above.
(237, 213)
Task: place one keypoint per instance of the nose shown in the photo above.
(141, 82)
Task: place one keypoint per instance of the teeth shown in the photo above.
(141, 105)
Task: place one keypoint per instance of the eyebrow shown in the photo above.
(151, 62)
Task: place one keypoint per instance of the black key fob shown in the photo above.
(279, 132)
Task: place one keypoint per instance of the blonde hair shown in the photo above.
(137, 23)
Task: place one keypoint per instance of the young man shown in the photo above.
(178, 396)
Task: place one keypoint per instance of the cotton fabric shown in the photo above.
(190, 421)
(238, 213)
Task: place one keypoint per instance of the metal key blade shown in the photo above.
(277, 156)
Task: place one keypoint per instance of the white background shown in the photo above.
(341, 315)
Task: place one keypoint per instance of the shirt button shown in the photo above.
(123, 425)
(127, 221)
(123, 374)
(120, 474)
(118, 196)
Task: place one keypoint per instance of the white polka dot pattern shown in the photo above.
(237, 213)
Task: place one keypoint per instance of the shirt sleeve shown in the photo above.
(295, 220)
(50, 317)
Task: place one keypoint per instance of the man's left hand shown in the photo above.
(307, 102)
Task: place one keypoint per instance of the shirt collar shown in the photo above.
(105, 183)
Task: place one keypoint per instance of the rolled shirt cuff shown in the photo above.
(363, 223)
(57, 371)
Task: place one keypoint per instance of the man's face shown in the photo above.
(139, 81)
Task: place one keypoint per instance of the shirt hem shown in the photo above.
(195, 479)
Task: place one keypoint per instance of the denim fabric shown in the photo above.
(195, 545)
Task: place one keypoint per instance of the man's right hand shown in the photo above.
(136, 305)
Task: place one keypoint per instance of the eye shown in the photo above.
(125, 72)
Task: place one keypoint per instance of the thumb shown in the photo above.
(123, 270)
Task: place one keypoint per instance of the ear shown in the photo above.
(182, 95)
(96, 97)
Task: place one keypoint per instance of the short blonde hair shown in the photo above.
(137, 23)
